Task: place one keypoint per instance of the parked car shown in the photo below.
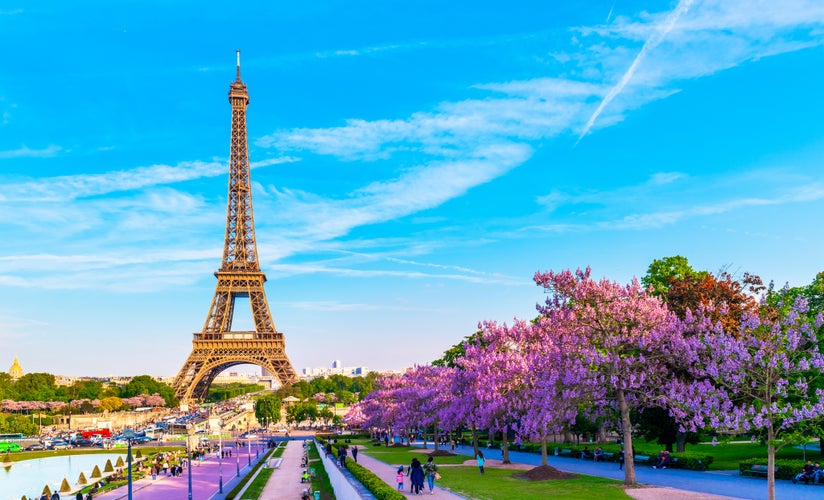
(83, 443)
(35, 447)
(59, 444)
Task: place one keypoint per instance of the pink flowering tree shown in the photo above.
(382, 408)
(761, 378)
(620, 344)
(553, 389)
(355, 418)
(494, 370)
(154, 400)
(425, 397)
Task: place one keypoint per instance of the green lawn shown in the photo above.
(256, 488)
(394, 455)
(498, 484)
(728, 455)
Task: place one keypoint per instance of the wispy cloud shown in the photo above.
(81, 186)
(652, 42)
(26, 152)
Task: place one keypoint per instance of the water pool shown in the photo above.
(30, 476)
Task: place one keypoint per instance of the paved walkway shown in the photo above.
(389, 474)
(285, 480)
(205, 480)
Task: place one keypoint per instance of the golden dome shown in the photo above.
(16, 371)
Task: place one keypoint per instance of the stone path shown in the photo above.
(389, 474)
(285, 480)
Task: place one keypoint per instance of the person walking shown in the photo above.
(416, 475)
(355, 453)
(400, 477)
(342, 456)
(481, 461)
(621, 459)
(430, 469)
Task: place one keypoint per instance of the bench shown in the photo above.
(566, 452)
(275, 463)
(604, 457)
(642, 459)
(757, 470)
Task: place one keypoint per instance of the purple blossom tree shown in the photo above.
(619, 344)
(759, 379)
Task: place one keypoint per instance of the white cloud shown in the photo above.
(26, 152)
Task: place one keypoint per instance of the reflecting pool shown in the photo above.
(30, 476)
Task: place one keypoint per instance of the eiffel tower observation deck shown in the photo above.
(217, 347)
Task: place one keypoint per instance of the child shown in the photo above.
(400, 478)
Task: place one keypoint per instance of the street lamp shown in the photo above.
(129, 435)
(248, 444)
(221, 423)
(189, 456)
(237, 452)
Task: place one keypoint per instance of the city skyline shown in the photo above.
(413, 165)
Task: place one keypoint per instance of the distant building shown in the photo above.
(336, 369)
(16, 371)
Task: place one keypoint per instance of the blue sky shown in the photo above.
(414, 164)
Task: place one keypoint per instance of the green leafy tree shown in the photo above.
(267, 410)
(36, 387)
(7, 390)
(17, 424)
(662, 271)
(146, 384)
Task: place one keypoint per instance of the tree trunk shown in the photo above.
(602, 433)
(626, 427)
(505, 447)
(435, 447)
(681, 442)
(544, 460)
(475, 440)
(770, 464)
(424, 439)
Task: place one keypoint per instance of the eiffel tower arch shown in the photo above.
(217, 347)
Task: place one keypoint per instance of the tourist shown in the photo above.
(430, 469)
(621, 458)
(481, 461)
(55, 496)
(79, 496)
(342, 456)
(663, 460)
(586, 453)
(806, 473)
(416, 476)
(400, 477)
(355, 453)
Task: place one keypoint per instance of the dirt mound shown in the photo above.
(441, 453)
(543, 473)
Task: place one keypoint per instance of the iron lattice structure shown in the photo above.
(217, 347)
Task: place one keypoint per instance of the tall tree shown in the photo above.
(267, 410)
(760, 379)
(624, 344)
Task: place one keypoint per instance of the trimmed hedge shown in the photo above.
(787, 469)
(686, 460)
(372, 482)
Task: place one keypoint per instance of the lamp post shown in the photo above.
(248, 444)
(237, 452)
(189, 457)
(221, 423)
(129, 435)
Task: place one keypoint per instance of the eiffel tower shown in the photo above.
(217, 347)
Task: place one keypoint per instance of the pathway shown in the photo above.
(285, 480)
(205, 480)
(389, 474)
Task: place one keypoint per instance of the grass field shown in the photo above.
(498, 484)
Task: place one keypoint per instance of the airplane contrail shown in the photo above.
(652, 42)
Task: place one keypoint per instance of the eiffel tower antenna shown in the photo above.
(217, 347)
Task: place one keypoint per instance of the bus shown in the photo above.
(11, 437)
(104, 433)
(6, 447)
